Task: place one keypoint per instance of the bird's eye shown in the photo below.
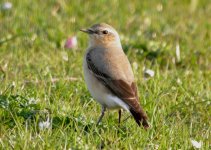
(105, 32)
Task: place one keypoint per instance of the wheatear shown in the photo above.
(108, 73)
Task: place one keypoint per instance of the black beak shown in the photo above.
(88, 31)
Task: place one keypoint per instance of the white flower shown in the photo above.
(45, 124)
(148, 73)
(196, 144)
(7, 6)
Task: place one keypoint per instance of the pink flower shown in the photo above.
(71, 42)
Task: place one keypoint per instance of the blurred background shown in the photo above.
(149, 28)
(41, 50)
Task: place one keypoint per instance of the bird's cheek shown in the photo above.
(95, 36)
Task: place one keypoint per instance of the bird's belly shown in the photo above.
(100, 93)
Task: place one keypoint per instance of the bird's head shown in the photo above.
(102, 35)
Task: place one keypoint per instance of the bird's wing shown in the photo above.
(119, 87)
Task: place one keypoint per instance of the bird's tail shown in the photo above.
(140, 117)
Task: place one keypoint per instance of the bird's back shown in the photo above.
(112, 61)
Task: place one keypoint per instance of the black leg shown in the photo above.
(120, 112)
(102, 114)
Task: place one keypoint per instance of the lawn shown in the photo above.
(44, 102)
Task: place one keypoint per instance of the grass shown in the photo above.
(36, 82)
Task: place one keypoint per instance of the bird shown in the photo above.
(108, 74)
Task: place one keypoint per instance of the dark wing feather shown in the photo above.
(127, 93)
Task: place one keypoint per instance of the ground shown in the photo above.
(44, 103)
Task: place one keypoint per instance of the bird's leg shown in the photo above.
(102, 114)
(120, 112)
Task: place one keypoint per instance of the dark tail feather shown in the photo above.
(140, 118)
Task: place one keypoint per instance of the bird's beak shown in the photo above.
(88, 31)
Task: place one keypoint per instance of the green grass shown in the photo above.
(177, 99)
